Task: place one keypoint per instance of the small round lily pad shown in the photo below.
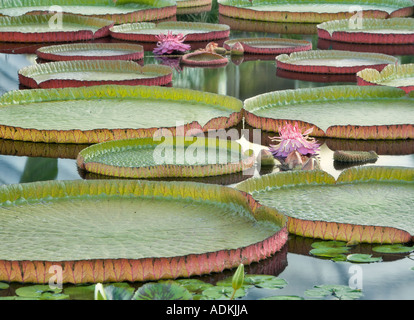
(393, 248)
(268, 45)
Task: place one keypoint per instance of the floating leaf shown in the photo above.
(370, 204)
(328, 244)
(340, 292)
(162, 291)
(318, 108)
(3, 285)
(392, 248)
(80, 292)
(114, 292)
(194, 285)
(328, 252)
(36, 291)
(222, 292)
(362, 258)
(299, 11)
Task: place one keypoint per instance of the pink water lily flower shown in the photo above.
(292, 139)
(171, 43)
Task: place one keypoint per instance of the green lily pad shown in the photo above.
(362, 258)
(91, 114)
(36, 28)
(318, 108)
(328, 244)
(154, 223)
(3, 285)
(148, 32)
(169, 157)
(222, 293)
(340, 292)
(118, 11)
(311, 12)
(393, 248)
(329, 252)
(36, 291)
(76, 73)
(385, 31)
(257, 280)
(399, 76)
(366, 204)
(333, 61)
(162, 291)
(119, 292)
(194, 285)
(88, 51)
(80, 292)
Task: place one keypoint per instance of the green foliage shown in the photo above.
(393, 248)
(336, 292)
(162, 291)
(3, 285)
(362, 258)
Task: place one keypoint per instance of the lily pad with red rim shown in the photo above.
(91, 51)
(333, 61)
(162, 230)
(92, 114)
(313, 12)
(148, 32)
(366, 204)
(201, 58)
(168, 157)
(36, 28)
(399, 76)
(367, 112)
(369, 31)
(120, 11)
(269, 45)
(192, 4)
(79, 73)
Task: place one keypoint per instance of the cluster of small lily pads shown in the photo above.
(233, 287)
(341, 251)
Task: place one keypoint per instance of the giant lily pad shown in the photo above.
(193, 31)
(367, 112)
(367, 204)
(201, 58)
(269, 45)
(400, 76)
(92, 114)
(173, 157)
(383, 31)
(313, 11)
(120, 11)
(333, 61)
(192, 3)
(36, 28)
(131, 230)
(78, 73)
(91, 51)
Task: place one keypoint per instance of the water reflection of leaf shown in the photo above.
(39, 169)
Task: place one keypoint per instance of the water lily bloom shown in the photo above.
(292, 139)
(171, 43)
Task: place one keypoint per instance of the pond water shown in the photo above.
(243, 77)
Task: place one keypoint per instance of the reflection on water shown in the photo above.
(242, 77)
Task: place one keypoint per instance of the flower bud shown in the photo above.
(238, 278)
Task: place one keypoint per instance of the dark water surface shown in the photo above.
(242, 78)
